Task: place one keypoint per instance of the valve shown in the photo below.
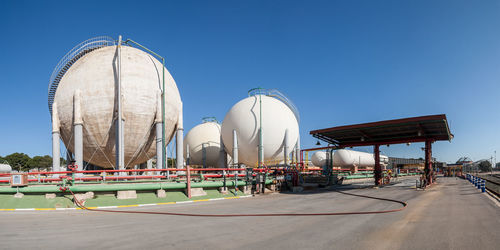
(72, 167)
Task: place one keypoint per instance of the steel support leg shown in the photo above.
(204, 155)
(222, 155)
(180, 142)
(286, 149)
(78, 130)
(149, 165)
(56, 156)
(298, 155)
(56, 150)
(159, 145)
(235, 151)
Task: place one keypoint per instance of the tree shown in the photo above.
(485, 166)
(18, 161)
(40, 162)
(62, 161)
(171, 162)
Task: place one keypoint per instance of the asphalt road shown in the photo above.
(449, 215)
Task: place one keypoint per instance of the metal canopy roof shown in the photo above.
(414, 129)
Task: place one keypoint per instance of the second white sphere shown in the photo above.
(203, 136)
(244, 117)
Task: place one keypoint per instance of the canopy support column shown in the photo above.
(428, 161)
(377, 172)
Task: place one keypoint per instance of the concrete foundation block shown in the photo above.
(161, 193)
(197, 192)
(223, 190)
(246, 190)
(19, 195)
(88, 195)
(83, 197)
(297, 189)
(126, 194)
(50, 196)
(271, 188)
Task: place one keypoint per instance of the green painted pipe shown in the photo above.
(358, 177)
(122, 187)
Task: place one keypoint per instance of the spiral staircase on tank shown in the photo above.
(70, 58)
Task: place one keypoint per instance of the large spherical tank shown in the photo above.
(95, 76)
(347, 158)
(318, 159)
(205, 135)
(244, 117)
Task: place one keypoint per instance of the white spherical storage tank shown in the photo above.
(244, 118)
(348, 158)
(318, 159)
(94, 77)
(205, 136)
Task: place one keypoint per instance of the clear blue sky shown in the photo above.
(341, 62)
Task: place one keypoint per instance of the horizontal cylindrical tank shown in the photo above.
(347, 158)
(5, 168)
(244, 117)
(205, 136)
(318, 159)
(95, 76)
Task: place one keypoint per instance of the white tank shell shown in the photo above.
(347, 158)
(203, 135)
(141, 80)
(5, 168)
(244, 117)
(318, 159)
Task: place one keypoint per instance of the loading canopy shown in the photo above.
(414, 129)
(426, 129)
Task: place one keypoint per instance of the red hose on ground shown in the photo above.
(257, 215)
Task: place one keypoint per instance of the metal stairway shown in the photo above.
(70, 58)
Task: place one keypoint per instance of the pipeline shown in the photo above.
(121, 187)
(404, 205)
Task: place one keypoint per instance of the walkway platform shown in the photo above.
(451, 214)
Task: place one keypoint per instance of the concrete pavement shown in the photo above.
(449, 215)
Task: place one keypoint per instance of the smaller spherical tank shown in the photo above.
(245, 118)
(5, 168)
(318, 159)
(205, 136)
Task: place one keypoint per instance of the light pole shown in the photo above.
(494, 166)
(491, 160)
